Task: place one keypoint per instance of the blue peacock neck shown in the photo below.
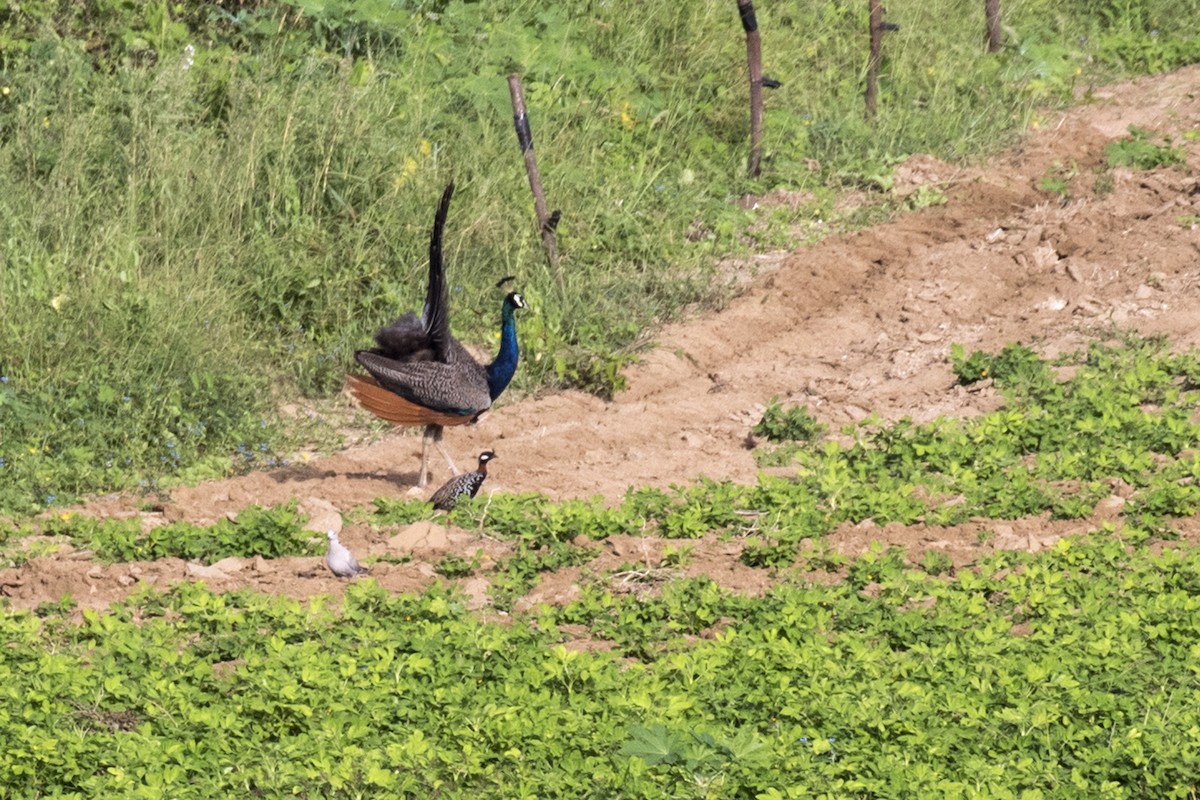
(501, 371)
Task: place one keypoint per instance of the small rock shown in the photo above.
(1043, 257)
(208, 573)
(1143, 292)
(1110, 507)
(149, 522)
(231, 564)
(1032, 237)
(323, 515)
(420, 536)
(994, 236)
(476, 590)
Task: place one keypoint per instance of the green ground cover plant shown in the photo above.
(1139, 151)
(1061, 674)
(266, 532)
(207, 207)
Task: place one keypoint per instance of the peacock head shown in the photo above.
(512, 302)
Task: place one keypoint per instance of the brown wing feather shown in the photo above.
(396, 409)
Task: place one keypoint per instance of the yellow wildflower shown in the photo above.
(426, 148)
(627, 118)
(59, 301)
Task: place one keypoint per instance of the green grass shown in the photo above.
(211, 242)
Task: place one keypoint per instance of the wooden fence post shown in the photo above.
(991, 10)
(876, 57)
(754, 60)
(546, 222)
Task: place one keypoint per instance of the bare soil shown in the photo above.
(860, 323)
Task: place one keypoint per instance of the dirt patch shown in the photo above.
(858, 324)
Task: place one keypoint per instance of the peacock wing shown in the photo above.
(404, 340)
(457, 388)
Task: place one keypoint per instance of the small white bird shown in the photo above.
(340, 560)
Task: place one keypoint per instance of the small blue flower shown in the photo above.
(50, 499)
(3, 379)
(804, 738)
(125, 399)
(1, 461)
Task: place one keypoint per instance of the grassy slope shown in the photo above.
(184, 248)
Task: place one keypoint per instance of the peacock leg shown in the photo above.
(437, 440)
(431, 432)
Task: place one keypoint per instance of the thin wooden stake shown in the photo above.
(754, 60)
(876, 58)
(546, 221)
(991, 9)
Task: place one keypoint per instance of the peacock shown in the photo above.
(421, 375)
(461, 486)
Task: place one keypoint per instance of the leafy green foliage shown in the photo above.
(1057, 179)
(1016, 366)
(1056, 674)
(787, 425)
(1139, 152)
(399, 511)
(266, 532)
(455, 566)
